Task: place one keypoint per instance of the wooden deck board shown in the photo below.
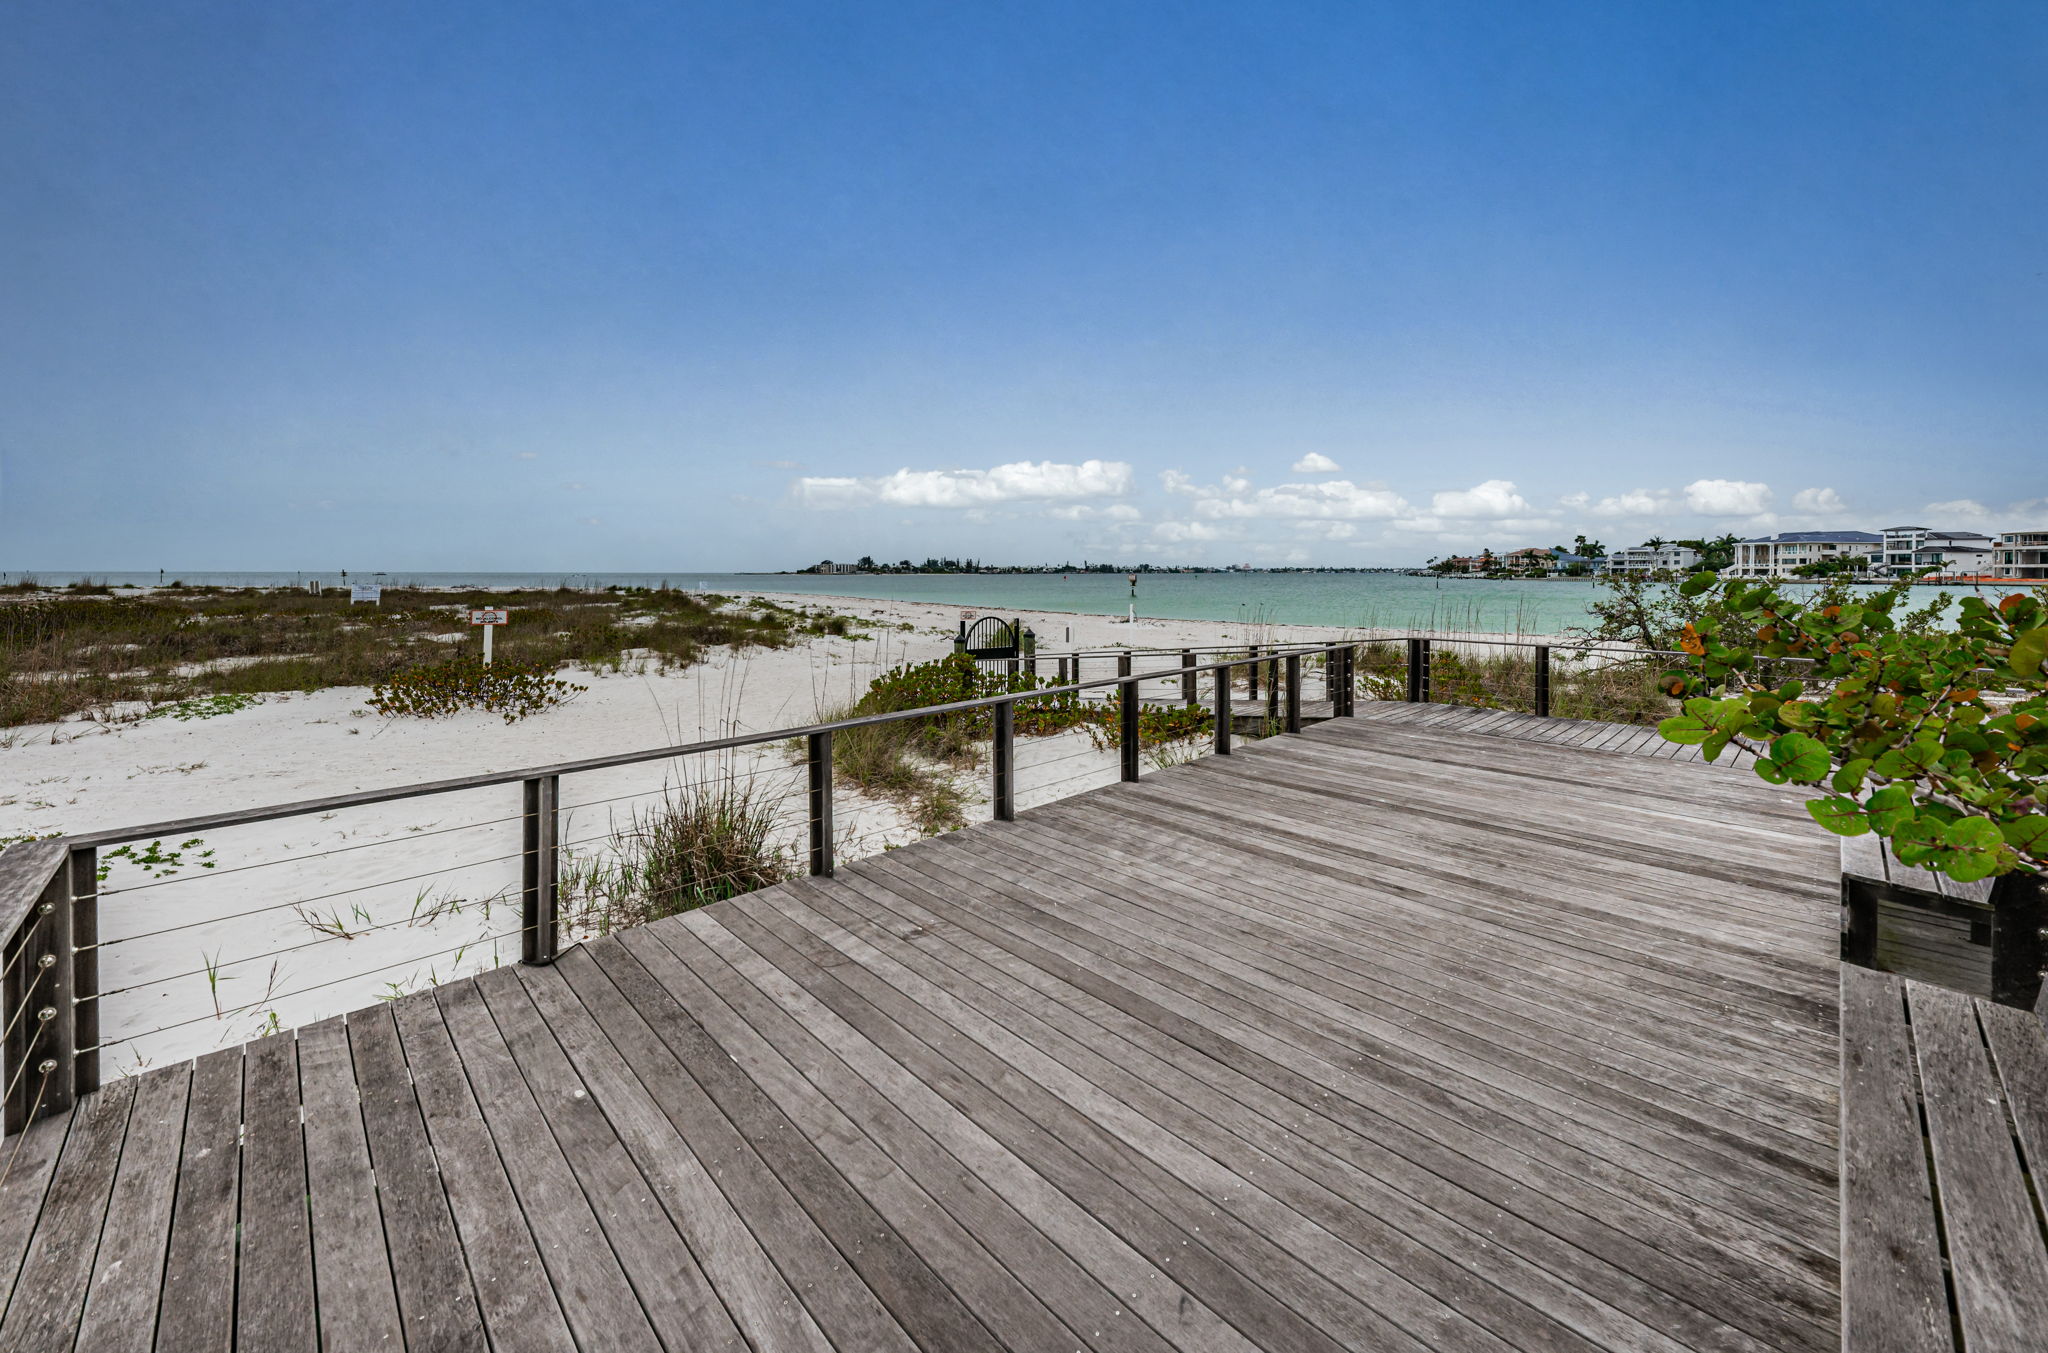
(1409, 1059)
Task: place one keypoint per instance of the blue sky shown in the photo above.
(666, 285)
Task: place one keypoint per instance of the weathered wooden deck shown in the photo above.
(1448, 1043)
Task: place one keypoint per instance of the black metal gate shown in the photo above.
(993, 639)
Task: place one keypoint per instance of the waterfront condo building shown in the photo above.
(1781, 555)
(1910, 550)
(1661, 558)
(2021, 554)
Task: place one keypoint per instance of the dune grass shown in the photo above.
(85, 652)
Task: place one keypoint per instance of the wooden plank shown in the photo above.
(1863, 857)
(27, 1160)
(1997, 1258)
(602, 1306)
(840, 1303)
(1432, 952)
(1711, 1196)
(908, 1083)
(51, 1293)
(761, 1302)
(121, 1311)
(677, 1297)
(277, 1304)
(898, 1274)
(352, 1268)
(2019, 1050)
(1237, 1119)
(436, 1301)
(1490, 1021)
(1444, 1141)
(197, 1314)
(1163, 1150)
(521, 1310)
(1894, 1299)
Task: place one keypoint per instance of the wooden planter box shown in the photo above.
(1983, 938)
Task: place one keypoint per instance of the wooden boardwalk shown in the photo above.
(1452, 1043)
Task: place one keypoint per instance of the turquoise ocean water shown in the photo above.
(1360, 600)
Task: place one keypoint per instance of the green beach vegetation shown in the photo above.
(1932, 735)
(196, 652)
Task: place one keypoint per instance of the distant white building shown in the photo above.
(1652, 559)
(2021, 554)
(1917, 549)
(1779, 556)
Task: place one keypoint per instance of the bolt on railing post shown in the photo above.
(1543, 681)
(1222, 730)
(1294, 692)
(1127, 725)
(818, 762)
(539, 869)
(1006, 763)
(1350, 681)
(85, 968)
(1332, 670)
(1187, 677)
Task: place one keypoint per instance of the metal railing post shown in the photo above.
(1294, 692)
(1543, 681)
(1127, 724)
(1251, 673)
(1332, 670)
(40, 1060)
(1123, 663)
(819, 764)
(1272, 693)
(1187, 679)
(1006, 763)
(539, 869)
(1222, 711)
(85, 968)
(1418, 671)
(1350, 681)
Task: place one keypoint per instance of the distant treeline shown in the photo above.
(868, 564)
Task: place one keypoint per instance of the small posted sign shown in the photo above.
(490, 618)
(370, 592)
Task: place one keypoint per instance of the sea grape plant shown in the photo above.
(1933, 736)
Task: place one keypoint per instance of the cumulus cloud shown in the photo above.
(1331, 500)
(1959, 509)
(1085, 512)
(1819, 501)
(1021, 481)
(1727, 497)
(1634, 503)
(1315, 462)
(1181, 532)
(1494, 498)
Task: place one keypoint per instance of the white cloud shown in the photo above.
(1494, 498)
(1958, 509)
(529, 455)
(1019, 482)
(1315, 462)
(1084, 512)
(1178, 532)
(779, 464)
(1824, 502)
(1727, 497)
(1634, 503)
(1331, 500)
